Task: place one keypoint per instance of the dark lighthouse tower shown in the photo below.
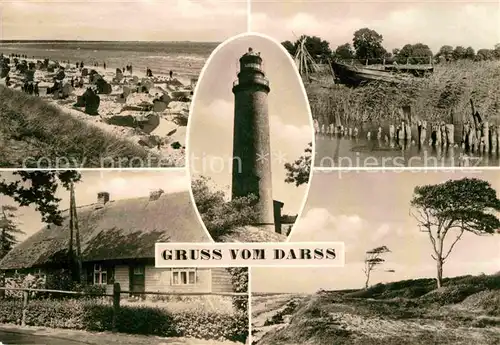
(251, 143)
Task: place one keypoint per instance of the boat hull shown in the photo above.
(355, 76)
(417, 71)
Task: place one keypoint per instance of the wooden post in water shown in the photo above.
(423, 135)
(486, 136)
(419, 133)
(116, 306)
(450, 133)
(465, 136)
(497, 131)
(438, 134)
(493, 138)
(472, 139)
(25, 307)
(407, 132)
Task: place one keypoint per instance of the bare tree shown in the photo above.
(455, 206)
(372, 260)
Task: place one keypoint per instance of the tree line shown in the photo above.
(367, 44)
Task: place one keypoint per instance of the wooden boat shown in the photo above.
(353, 75)
(415, 70)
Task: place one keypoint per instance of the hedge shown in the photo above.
(94, 315)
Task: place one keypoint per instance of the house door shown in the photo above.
(137, 279)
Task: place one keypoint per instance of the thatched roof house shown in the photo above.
(117, 242)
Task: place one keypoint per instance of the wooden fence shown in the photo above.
(117, 292)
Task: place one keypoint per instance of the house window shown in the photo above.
(184, 276)
(100, 275)
(138, 270)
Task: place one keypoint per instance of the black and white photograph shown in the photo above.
(422, 263)
(77, 263)
(104, 84)
(395, 83)
(250, 140)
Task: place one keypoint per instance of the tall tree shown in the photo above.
(290, 47)
(446, 52)
(298, 172)
(344, 52)
(318, 48)
(373, 258)
(484, 54)
(414, 53)
(496, 51)
(459, 53)
(39, 188)
(368, 44)
(470, 53)
(9, 230)
(455, 206)
(218, 215)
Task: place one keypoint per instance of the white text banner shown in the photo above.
(287, 254)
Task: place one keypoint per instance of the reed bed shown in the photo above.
(443, 96)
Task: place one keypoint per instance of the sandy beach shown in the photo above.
(128, 109)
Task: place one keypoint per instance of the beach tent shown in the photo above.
(60, 75)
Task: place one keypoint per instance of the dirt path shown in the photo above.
(265, 307)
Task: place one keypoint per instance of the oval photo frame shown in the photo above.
(250, 142)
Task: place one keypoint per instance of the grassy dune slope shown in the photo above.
(444, 94)
(465, 311)
(33, 130)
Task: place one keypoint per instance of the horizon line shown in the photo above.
(101, 41)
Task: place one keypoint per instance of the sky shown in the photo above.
(368, 209)
(123, 20)
(435, 23)
(210, 133)
(119, 184)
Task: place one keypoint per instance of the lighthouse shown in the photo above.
(251, 171)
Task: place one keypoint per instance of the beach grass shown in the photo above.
(466, 310)
(36, 134)
(444, 95)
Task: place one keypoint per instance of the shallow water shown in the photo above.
(186, 59)
(337, 151)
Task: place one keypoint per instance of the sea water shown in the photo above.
(185, 59)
